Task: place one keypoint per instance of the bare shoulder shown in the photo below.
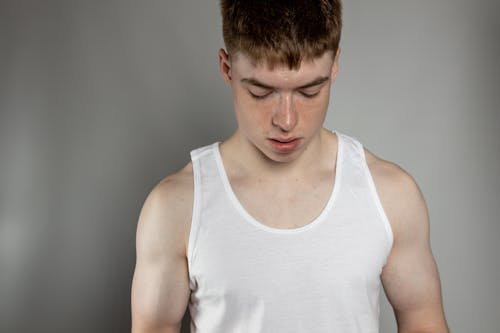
(388, 174)
(160, 286)
(166, 214)
(410, 276)
(399, 194)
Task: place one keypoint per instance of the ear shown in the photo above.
(225, 66)
(335, 67)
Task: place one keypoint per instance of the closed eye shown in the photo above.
(259, 96)
(312, 91)
(309, 95)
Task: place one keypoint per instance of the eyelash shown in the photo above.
(309, 95)
(259, 96)
(264, 96)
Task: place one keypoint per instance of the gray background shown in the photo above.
(99, 100)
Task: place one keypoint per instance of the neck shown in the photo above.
(242, 157)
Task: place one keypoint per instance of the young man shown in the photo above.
(285, 226)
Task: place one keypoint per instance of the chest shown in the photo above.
(284, 205)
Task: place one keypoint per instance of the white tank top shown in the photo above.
(322, 277)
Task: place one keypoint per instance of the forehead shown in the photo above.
(281, 75)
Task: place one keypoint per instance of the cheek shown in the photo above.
(251, 117)
(312, 111)
(249, 111)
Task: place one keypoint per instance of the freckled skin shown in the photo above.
(285, 112)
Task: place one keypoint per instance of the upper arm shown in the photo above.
(160, 287)
(410, 276)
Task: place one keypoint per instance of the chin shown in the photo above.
(282, 157)
(274, 154)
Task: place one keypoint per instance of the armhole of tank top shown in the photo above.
(196, 206)
(376, 198)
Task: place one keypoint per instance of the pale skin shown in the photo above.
(298, 183)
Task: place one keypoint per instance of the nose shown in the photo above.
(285, 115)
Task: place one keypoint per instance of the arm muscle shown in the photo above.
(410, 276)
(160, 287)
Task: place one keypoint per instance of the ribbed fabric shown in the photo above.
(322, 277)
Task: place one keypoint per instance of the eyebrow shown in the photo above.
(313, 83)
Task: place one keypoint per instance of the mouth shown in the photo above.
(282, 140)
(284, 145)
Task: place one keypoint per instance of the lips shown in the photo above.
(283, 140)
(284, 145)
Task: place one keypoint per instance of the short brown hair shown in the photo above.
(281, 31)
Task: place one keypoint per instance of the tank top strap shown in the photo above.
(199, 152)
(206, 181)
(359, 177)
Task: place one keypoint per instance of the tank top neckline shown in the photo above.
(249, 218)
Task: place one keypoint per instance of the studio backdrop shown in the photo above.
(100, 100)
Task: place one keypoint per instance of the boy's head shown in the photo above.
(280, 32)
